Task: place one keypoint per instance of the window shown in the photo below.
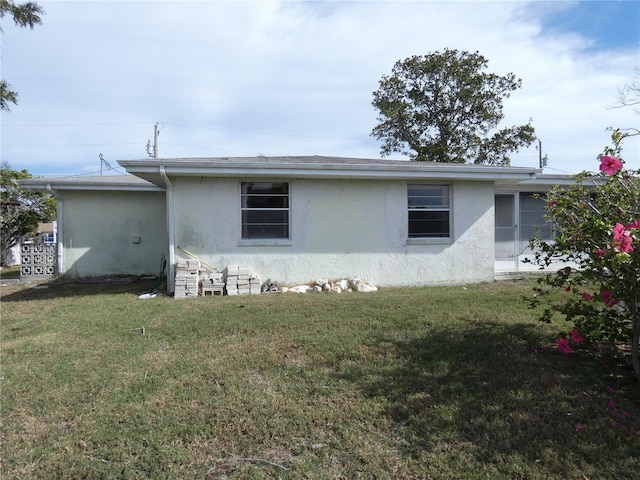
(265, 210)
(532, 221)
(429, 211)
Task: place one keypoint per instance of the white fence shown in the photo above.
(37, 260)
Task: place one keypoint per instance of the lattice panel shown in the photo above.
(37, 260)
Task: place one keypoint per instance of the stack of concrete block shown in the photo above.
(187, 278)
(239, 281)
(212, 284)
(255, 285)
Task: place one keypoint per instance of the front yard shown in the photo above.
(443, 382)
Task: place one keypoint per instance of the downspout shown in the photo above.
(59, 230)
(170, 231)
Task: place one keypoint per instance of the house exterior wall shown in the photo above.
(98, 230)
(339, 229)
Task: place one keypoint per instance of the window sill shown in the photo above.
(429, 241)
(266, 242)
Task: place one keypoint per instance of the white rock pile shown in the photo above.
(337, 286)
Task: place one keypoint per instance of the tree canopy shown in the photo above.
(24, 15)
(20, 210)
(443, 107)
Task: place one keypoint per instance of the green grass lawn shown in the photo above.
(12, 272)
(443, 383)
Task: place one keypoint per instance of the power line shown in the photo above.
(222, 129)
(253, 152)
(258, 132)
(71, 144)
(72, 124)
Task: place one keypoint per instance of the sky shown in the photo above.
(247, 78)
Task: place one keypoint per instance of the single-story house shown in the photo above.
(297, 219)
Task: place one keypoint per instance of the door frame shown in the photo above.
(510, 264)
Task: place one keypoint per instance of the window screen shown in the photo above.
(429, 211)
(265, 210)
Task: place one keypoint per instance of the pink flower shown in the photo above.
(622, 239)
(601, 252)
(610, 389)
(578, 427)
(563, 345)
(624, 243)
(576, 337)
(586, 296)
(607, 298)
(610, 165)
(634, 224)
(611, 404)
(567, 288)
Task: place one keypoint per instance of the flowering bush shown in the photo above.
(597, 226)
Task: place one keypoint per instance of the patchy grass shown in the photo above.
(442, 382)
(12, 272)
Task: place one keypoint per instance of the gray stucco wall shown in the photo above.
(340, 229)
(98, 230)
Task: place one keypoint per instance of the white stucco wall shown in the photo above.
(339, 229)
(98, 228)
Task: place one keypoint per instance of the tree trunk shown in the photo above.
(634, 310)
(635, 345)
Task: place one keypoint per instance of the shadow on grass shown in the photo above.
(62, 288)
(491, 395)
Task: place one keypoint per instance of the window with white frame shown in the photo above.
(265, 210)
(429, 211)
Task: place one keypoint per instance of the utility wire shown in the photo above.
(72, 124)
(258, 132)
(70, 144)
(223, 129)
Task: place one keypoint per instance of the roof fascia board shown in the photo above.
(541, 180)
(43, 185)
(332, 170)
(329, 173)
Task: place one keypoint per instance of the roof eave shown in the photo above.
(409, 171)
(49, 184)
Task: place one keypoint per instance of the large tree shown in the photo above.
(24, 15)
(443, 107)
(20, 210)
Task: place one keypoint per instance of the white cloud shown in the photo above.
(283, 78)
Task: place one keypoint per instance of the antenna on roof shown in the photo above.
(543, 160)
(103, 161)
(152, 150)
